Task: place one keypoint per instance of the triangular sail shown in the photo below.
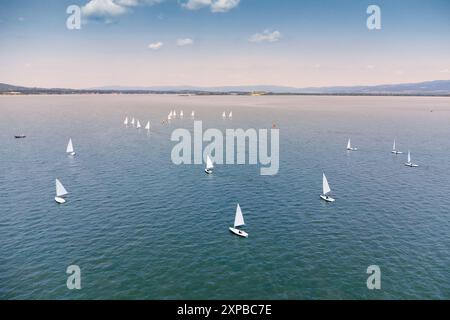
(69, 146)
(174, 113)
(239, 218)
(181, 114)
(325, 185)
(147, 127)
(138, 124)
(224, 115)
(125, 122)
(393, 146)
(230, 115)
(209, 163)
(193, 114)
(349, 145)
(409, 157)
(132, 121)
(60, 190)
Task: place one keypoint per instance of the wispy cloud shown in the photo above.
(155, 45)
(266, 36)
(214, 5)
(108, 10)
(185, 42)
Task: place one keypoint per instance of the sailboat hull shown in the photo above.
(327, 198)
(71, 153)
(60, 200)
(412, 165)
(239, 233)
(208, 171)
(396, 152)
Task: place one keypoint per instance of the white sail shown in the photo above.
(147, 127)
(409, 157)
(230, 115)
(209, 163)
(393, 147)
(132, 121)
(60, 190)
(224, 115)
(239, 218)
(138, 125)
(174, 113)
(125, 122)
(69, 146)
(193, 114)
(325, 185)
(349, 145)
(181, 114)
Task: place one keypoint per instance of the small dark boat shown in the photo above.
(21, 136)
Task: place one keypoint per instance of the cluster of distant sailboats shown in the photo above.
(61, 192)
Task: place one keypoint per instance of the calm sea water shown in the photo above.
(140, 227)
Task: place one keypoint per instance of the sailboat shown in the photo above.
(193, 114)
(230, 115)
(69, 149)
(394, 149)
(138, 125)
(147, 127)
(174, 113)
(224, 115)
(349, 146)
(239, 221)
(409, 163)
(181, 114)
(60, 192)
(326, 190)
(169, 117)
(125, 122)
(209, 165)
(132, 122)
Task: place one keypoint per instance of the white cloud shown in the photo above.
(214, 5)
(108, 10)
(185, 42)
(266, 36)
(155, 45)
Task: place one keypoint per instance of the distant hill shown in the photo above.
(429, 88)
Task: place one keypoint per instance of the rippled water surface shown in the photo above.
(141, 227)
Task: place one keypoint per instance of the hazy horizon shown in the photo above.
(211, 43)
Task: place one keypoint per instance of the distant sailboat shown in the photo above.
(60, 192)
(132, 122)
(125, 122)
(138, 125)
(349, 146)
(147, 127)
(69, 149)
(181, 114)
(409, 163)
(174, 113)
(224, 115)
(209, 165)
(230, 115)
(326, 190)
(394, 149)
(193, 114)
(239, 221)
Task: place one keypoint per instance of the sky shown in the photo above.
(297, 43)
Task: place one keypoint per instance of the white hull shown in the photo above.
(60, 200)
(396, 152)
(208, 171)
(352, 149)
(412, 165)
(327, 198)
(239, 232)
(71, 153)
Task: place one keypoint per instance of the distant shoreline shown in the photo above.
(249, 94)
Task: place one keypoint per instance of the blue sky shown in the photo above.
(223, 42)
